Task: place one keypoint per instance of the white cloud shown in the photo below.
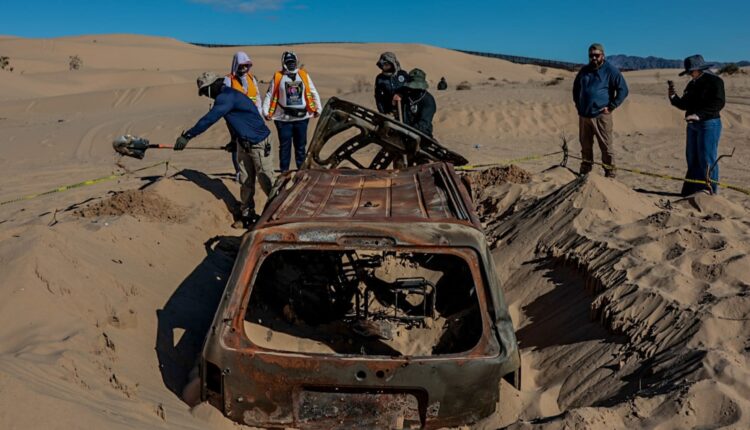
(244, 6)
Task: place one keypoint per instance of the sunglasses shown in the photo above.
(596, 55)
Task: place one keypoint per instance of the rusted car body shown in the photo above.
(363, 298)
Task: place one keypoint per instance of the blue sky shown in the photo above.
(560, 30)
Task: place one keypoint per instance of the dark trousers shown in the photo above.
(291, 132)
(701, 149)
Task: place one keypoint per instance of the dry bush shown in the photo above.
(543, 70)
(75, 62)
(5, 63)
(361, 84)
(491, 78)
(463, 85)
(557, 81)
(730, 69)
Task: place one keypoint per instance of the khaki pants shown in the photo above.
(601, 128)
(254, 163)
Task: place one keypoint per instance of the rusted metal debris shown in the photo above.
(365, 139)
(343, 267)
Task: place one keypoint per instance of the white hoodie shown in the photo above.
(239, 59)
(300, 101)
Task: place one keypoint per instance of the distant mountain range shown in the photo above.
(622, 62)
(629, 62)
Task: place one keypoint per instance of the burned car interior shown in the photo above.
(365, 296)
(364, 303)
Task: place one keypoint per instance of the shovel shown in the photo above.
(134, 146)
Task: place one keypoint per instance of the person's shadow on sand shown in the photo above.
(214, 186)
(187, 315)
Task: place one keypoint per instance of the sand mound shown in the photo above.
(498, 175)
(136, 203)
(627, 314)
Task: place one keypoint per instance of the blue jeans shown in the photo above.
(291, 132)
(701, 151)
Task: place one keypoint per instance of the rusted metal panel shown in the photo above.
(426, 192)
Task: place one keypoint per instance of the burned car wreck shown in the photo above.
(366, 295)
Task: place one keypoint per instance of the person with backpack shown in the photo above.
(290, 102)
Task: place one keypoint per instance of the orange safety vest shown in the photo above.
(308, 93)
(252, 91)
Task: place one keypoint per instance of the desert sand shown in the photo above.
(631, 304)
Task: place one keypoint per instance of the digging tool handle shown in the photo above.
(156, 146)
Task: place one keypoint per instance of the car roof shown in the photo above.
(425, 193)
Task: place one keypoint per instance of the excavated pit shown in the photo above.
(364, 303)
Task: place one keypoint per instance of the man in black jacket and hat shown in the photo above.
(418, 105)
(388, 81)
(702, 101)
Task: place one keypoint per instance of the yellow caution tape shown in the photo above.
(82, 184)
(626, 169)
(669, 177)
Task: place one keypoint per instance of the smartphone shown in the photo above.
(671, 84)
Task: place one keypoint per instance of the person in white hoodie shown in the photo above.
(240, 79)
(290, 102)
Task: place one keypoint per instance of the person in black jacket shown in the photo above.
(702, 101)
(417, 103)
(388, 81)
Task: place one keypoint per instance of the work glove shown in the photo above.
(230, 147)
(181, 142)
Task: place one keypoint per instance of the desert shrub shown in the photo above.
(730, 69)
(491, 78)
(463, 85)
(5, 63)
(543, 70)
(557, 81)
(75, 62)
(361, 84)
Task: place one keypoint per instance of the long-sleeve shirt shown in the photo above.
(597, 88)
(703, 96)
(291, 95)
(386, 86)
(419, 111)
(242, 116)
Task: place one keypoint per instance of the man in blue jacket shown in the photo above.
(598, 90)
(247, 129)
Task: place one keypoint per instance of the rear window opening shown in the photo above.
(364, 303)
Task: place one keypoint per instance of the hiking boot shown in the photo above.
(246, 220)
(609, 173)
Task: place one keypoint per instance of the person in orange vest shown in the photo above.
(240, 79)
(290, 102)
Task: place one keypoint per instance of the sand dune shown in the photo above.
(631, 306)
